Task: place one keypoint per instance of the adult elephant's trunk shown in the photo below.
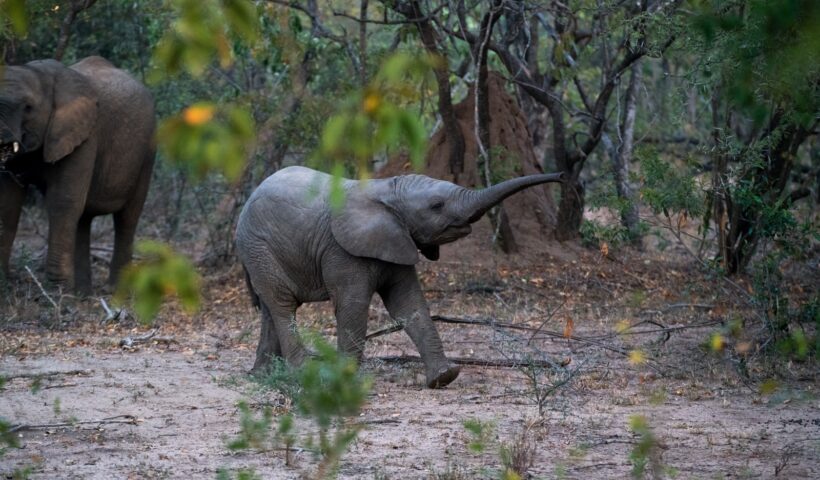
(477, 202)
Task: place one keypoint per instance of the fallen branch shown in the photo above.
(512, 326)
(62, 385)
(549, 317)
(129, 342)
(505, 363)
(43, 290)
(48, 374)
(128, 419)
(111, 315)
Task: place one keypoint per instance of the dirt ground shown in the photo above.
(629, 329)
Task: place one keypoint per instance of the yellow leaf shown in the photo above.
(604, 249)
(198, 114)
(568, 326)
(371, 103)
(622, 326)
(768, 386)
(637, 357)
(716, 342)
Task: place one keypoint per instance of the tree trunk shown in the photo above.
(429, 37)
(75, 8)
(503, 236)
(570, 210)
(767, 179)
(623, 157)
(363, 42)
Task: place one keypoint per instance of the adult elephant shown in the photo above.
(83, 135)
(296, 249)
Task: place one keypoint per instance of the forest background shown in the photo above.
(686, 126)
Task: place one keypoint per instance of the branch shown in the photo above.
(499, 363)
(319, 29)
(47, 374)
(127, 419)
(77, 6)
(425, 18)
(40, 286)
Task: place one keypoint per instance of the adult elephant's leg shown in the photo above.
(11, 203)
(269, 347)
(62, 235)
(405, 302)
(352, 304)
(125, 226)
(67, 184)
(82, 256)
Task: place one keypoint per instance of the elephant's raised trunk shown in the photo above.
(478, 202)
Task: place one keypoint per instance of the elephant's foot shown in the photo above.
(442, 377)
(262, 365)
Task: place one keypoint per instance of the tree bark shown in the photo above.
(623, 157)
(77, 6)
(430, 39)
(363, 42)
(503, 237)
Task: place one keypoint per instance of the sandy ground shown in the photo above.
(175, 397)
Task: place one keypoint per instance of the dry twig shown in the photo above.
(128, 419)
(43, 290)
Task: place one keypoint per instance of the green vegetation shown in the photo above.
(327, 390)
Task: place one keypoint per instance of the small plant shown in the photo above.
(645, 456)
(450, 472)
(517, 456)
(280, 377)
(243, 474)
(253, 433)
(326, 389)
(481, 434)
(595, 234)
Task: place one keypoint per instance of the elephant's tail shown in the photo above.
(254, 297)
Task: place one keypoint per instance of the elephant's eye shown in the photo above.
(437, 207)
(27, 108)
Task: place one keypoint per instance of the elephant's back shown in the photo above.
(291, 197)
(126, 122)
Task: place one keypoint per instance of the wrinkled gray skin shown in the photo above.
(84, 136)
(296, 249)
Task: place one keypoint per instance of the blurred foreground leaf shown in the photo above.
(201, 33)
(204, 138)
(377, 118)
(14, 11)
(159, 274)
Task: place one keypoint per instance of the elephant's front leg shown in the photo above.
(352, 305)
(11, 202)
(405, 302)
(67, 186)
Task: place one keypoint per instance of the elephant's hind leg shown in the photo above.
(82, 256)
(125, 224)
(269, 347)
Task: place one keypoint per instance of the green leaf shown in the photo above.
(242, 18)
(205, 138)
(159, 274)
(15, 11)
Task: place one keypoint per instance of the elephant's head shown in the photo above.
(392, 219)
(44, 106)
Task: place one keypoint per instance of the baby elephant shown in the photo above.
(296, 248)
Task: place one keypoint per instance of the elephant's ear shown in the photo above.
(365, 227)
(74, 114)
